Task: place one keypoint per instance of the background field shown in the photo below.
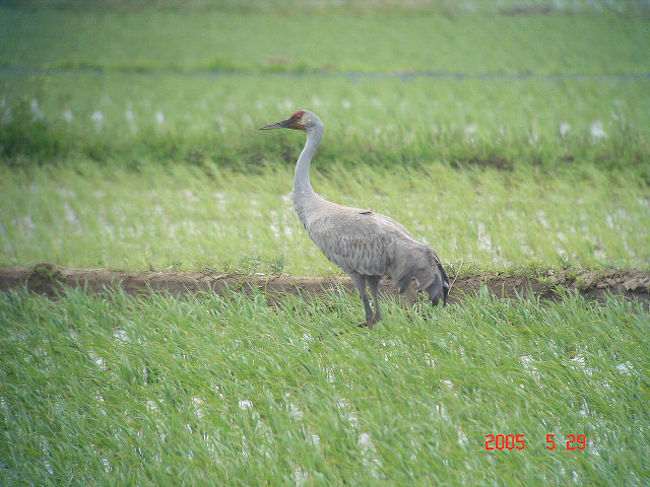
(127, 169)
(511, 136)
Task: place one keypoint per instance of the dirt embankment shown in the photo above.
(46, 279)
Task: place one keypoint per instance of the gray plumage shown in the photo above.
(365, 244)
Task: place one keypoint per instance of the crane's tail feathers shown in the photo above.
(438, 285)
(436, 291)
(439, 288)
(431, 278)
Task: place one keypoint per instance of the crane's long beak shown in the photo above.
(279, 125)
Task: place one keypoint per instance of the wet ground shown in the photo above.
(46, 279)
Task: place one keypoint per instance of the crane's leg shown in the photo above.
(360, 281)
(373, 283)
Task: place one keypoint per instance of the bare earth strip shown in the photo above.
(46, 279)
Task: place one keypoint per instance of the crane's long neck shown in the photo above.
(301, 184)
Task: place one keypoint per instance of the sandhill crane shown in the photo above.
(365, 244)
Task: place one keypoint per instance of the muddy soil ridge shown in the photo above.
(48, 279)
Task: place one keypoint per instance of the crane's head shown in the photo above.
(302, 120)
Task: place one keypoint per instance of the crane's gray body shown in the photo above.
(365, 244)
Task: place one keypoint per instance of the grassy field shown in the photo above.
(327, 40)
(176, 218)
(132, 171)
(509, 138)
(229, 391)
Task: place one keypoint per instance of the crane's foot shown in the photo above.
(367, 324)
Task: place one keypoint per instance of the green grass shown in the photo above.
(227, 391)
(181, 217)
(479, 169)
(173, 112)
(128, 170)
(254, 52)
(446, 7)
(328, 40)
(180, 119)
